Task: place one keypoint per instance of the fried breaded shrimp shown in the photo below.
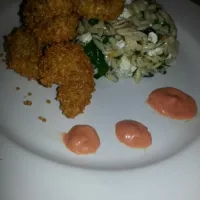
(100, 9)
(73, 98)
(57, 29)
(67, 65)
(62, 62)
(23, 53)
(36, 11)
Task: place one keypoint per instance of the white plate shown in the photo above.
(110, 103)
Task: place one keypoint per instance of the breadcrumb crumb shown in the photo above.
(27, 103)
(17, 88)
(48, 101)
(40, 117)
(29, 94)
(43, 119)
(30, 79)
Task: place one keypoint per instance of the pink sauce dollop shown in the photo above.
(133, 134)
(82, 139)
(173, 103)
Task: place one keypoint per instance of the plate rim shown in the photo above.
(191, 11)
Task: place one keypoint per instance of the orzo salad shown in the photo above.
(140, 43)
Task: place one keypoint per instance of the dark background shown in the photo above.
(196, 1)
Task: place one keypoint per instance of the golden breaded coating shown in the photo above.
(23, 53)
(100, 9)
(57, 29)
(73, 98)
(67, 65)
(36, 11)
(62, 61)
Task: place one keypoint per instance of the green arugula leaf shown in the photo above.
(97, 59)
(93, 21)
(106, 39)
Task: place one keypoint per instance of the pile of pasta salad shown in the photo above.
(140, 43)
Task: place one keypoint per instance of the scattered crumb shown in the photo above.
(48, 101)
(40, 117)
(30, 79)
(17, 88)
(27, 103)
(43, 119)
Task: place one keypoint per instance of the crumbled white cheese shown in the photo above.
(96, 71)
(169, 56)
(126, 69)
(112, 76)
(155, 52)
(85, 38)
(152, 37)
(125, 14)
(107, 58)
(121, 44)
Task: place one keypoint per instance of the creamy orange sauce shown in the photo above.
(173, 103)
(82, 139)
(133, 134)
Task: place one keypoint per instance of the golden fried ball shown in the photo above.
(64, 62)
(23, 53)
(100, 9)
(57, 29)
(36, 11)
